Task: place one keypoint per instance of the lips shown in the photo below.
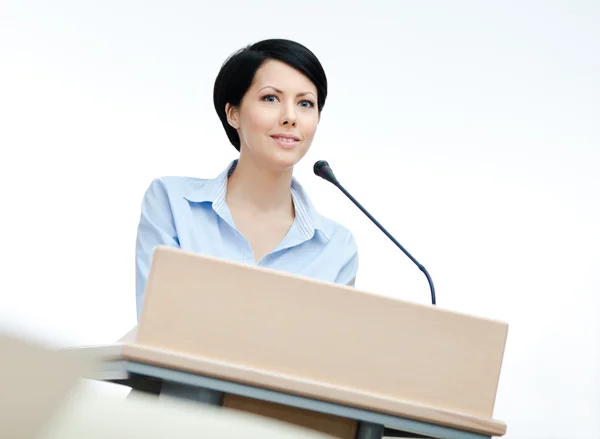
(286, 140)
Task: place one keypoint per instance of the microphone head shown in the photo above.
(319, 167)
(323, 170)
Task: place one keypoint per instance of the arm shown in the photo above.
(156, 227)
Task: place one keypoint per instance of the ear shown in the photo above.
(233, 115)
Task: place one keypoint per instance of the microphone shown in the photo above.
(323, 170)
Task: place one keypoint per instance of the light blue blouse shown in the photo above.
(191, 214)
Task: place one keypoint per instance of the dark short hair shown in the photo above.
(237, 73)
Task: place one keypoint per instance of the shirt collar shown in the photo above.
(215, 190)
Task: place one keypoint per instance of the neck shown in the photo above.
(255, 188)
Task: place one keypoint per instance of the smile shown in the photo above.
(286, 142)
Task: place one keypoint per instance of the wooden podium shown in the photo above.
(327, 357)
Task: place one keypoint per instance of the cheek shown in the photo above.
(259, 121)
(309, 126)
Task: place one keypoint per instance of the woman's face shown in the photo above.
(278, 116)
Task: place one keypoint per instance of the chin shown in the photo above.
(285, 159)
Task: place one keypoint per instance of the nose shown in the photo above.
(288, 118)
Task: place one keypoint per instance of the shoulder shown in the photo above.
(336, 232)
(179, 188)
(343, 245)
(179, 185)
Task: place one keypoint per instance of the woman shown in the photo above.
(269, 97)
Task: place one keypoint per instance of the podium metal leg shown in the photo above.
(190, 393)
(368, 430)
(143, 384)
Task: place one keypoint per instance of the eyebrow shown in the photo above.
(281, 92)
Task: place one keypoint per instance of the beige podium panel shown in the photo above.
(332, 343)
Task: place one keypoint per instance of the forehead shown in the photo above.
(280, 75)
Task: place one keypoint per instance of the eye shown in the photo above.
(270, 98)
(307, 104)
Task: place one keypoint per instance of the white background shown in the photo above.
(469, 129)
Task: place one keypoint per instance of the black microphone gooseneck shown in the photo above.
(323, 170)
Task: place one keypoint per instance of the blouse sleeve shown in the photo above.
(156, 227)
